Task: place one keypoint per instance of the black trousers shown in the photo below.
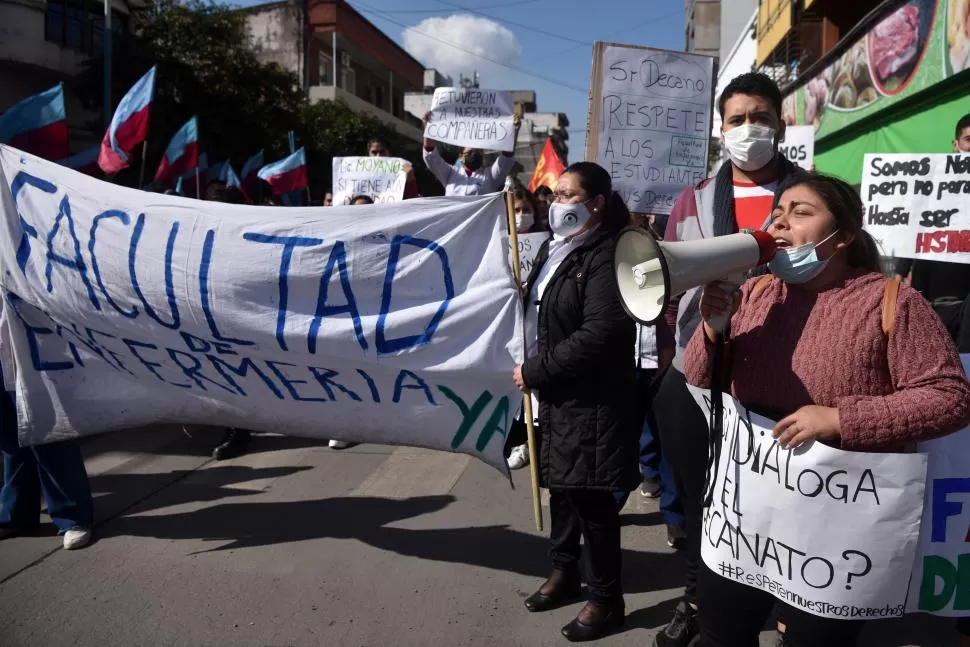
(594, 516)
(684, 434)
(732, 614)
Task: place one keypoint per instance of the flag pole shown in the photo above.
(308, 195)
(141, 173)
(198, 191)
(527, 397)
(106, 40)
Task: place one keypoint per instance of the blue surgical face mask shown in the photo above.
(799, 264)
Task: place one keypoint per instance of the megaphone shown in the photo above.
(650, 272)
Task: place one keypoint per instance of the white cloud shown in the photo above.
(474, 36)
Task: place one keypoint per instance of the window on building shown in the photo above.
(76, 25)
(349, 80)
(326, 69)
(379, 97)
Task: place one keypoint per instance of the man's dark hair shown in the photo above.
(215, 191)
(754, 84)
(962, 125)
(379, 141)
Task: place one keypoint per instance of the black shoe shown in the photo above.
(595, 621)
(681, 630)
(234, 443)
(562, 588)
(676, 537)
(9, 531)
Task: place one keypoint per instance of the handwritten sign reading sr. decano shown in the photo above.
(650, 122)
(918, 206)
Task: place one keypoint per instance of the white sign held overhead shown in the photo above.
(941, 574)
(799, 146)
(650, 122)
(380, 178)
(123, 308)
(472, 118)
(762, 528)
(918, 206)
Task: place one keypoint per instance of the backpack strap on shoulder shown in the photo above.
(889, 299)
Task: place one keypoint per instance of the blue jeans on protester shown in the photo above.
(56, 470)
(652, 462)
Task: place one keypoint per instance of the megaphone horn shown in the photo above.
(649, 272)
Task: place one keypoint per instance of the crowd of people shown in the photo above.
(810, 345)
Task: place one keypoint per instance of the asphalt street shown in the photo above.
(296, 544)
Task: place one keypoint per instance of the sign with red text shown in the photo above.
(941, 574)
(918, 206)
(830, 532)
(124, 308)
(650, 122)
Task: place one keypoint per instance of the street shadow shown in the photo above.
(642, 519)
(113, 493)
(250, 525)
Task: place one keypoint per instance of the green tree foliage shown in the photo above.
(209, 67)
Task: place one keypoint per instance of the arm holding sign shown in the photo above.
(433, 160)
(932, 396)
(503, 163)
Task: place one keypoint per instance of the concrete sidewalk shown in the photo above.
(295, 544)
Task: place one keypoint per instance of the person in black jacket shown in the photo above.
(584, 375)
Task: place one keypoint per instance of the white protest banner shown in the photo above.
(763, 526)
(472, 118)
(918, 206)
(650, 122)
(941, 573)
(798, 146)
(381, 178)
(125, 308)
(529, 245)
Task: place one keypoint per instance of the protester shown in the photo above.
(658, 480)
(361, 199)
(55, 470)
(827, 377)
(583, 374)
(740, 196)
(525, 207)
(377, 147)
(328, 199)
(945, 285)
(472, 178)
(543, 200)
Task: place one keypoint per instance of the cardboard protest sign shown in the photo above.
(918, 206)
(381, 178)
(650, 121)
(799, 146)
(529, 245)
(941, 573)
(762, 528)
(124, 308)
(472, 118)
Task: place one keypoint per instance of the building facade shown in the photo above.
(46, 42)
(702, 26)
(340, 56)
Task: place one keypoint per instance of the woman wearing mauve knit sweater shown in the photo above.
(809, 346)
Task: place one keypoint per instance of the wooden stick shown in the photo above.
(198, 191)
(527, 399)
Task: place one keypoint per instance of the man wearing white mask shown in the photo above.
(738, 197)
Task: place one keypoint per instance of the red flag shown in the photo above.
(548, 168)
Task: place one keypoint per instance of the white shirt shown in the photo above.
(559, 249)
(459, 182)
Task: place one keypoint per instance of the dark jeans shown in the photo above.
(684, 440)
(592, 515)
(56, 470)
(732, 614)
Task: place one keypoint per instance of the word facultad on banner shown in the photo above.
(123, 308)
(762, 528)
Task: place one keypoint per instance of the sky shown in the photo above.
(541, 45)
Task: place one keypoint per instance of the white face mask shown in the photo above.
(523, 220)
(566, 220)
(750, 147)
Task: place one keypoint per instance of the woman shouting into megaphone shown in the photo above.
(843, 356)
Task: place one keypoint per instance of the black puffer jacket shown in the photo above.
(584, 373)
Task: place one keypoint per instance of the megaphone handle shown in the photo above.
(730, 283)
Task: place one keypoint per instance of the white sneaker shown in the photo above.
(338, 444)
(78, 537)
(519, 457)
(650, 488)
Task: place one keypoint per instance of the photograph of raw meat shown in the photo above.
(958, 35)
(896, 44)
